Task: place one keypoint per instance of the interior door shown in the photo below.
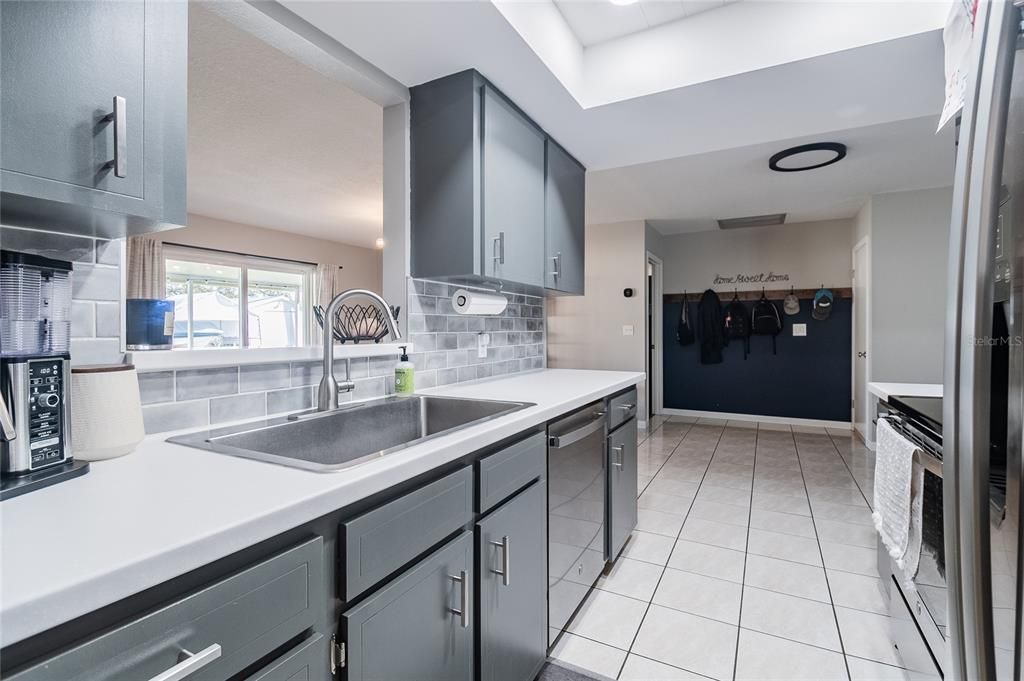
(861, 303)
(512, 545)
(513, 193)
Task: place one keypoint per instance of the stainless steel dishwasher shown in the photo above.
(576, 511)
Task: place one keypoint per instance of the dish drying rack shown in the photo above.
(357, 323)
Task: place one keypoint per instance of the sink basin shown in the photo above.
(352, 434)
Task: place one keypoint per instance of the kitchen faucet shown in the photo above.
(327, 393)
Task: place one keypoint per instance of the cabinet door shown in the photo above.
(512, 545)
(622, 474)
(306, 662)
(409, 630)
(63, 63)
(513, 193)
(564, 228)
(62, 66)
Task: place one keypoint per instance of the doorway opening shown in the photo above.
(653, 335)
(860, 411)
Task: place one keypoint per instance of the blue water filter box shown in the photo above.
(149, 324)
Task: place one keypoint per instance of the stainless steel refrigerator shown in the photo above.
(982, 423)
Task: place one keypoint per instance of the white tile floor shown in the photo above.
(753, 558)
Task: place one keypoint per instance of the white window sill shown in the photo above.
(162, 360)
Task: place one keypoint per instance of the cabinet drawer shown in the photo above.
(247, 615)
(621, 408)
(305, 662)
(380, 541)
(418, 627)
(511, 469)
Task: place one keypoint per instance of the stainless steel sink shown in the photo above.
(352, 434)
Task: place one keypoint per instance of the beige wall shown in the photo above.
(810, 253)
(362, 266)
(585, 332)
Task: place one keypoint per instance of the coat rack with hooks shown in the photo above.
(726, 294)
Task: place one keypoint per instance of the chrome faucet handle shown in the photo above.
(7, 431)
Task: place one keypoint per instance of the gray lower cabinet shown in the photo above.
(418, 627)
(304, 662)
(213, 634)
(564, 226)
(94, 115)
(622, 481)
(512, 546)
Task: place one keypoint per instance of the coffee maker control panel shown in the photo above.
(45, 410)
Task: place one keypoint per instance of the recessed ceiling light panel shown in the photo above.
(623, 3)
(807, 157)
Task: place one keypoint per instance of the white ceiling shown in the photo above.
(688, 194)
(275, 144)
(595, 21)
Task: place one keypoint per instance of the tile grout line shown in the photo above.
(817, 540)
(850, 471)
(664, 567)
(746, 554)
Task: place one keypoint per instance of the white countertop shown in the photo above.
(884, 390)
(166, 509)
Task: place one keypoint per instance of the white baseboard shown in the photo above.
(782, 420)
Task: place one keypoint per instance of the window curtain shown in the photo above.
(147, 275)
(326, 285)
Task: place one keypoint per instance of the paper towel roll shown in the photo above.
(476, 302)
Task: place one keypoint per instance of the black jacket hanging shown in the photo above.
(709, 328)
(736, 324)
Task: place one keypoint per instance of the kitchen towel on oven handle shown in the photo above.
(898, 498)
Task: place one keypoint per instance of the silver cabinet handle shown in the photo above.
(622, 457)
(627, 407)
(191, 664)
(506, 561)
(498, 249)
(556, 261)
(463, 612)
(119, 117)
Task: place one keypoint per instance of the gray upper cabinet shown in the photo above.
(94, 123)
(512, 545)
(622, 481)
(565, 232)
(513, 192)
(479, 188)
(419, 626)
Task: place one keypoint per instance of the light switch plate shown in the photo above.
(799, 329)
(627, 330)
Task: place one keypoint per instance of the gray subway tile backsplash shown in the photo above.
(194, 384)
(263, 377)
(291, 399)
(108, 319)
(156, 386)
(237, 407)
(96, 282)
(159, 418)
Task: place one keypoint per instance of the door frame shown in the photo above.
(655, 372)
(864, 279)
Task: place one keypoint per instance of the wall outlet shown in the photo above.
(627, 330)
(482, 341)
(799, 329)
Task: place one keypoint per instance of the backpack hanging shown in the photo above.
(765, 319)
(684, 330)
(736, 323)
(709, 328)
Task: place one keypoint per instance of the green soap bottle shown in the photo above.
(404, 374)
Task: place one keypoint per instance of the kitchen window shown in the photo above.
(234, 300)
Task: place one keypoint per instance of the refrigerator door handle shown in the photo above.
(967, 380)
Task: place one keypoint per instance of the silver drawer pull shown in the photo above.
(622, 457)
(627, 407)
(462, 612)
(506, 561)
(564, 440)
(557, 262)
(191, 664)
(119, 117)
(498, 249)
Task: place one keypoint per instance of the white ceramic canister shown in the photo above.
(106, 411)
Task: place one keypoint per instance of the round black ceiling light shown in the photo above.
(807, 157)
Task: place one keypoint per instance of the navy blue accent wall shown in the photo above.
(809, 377)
